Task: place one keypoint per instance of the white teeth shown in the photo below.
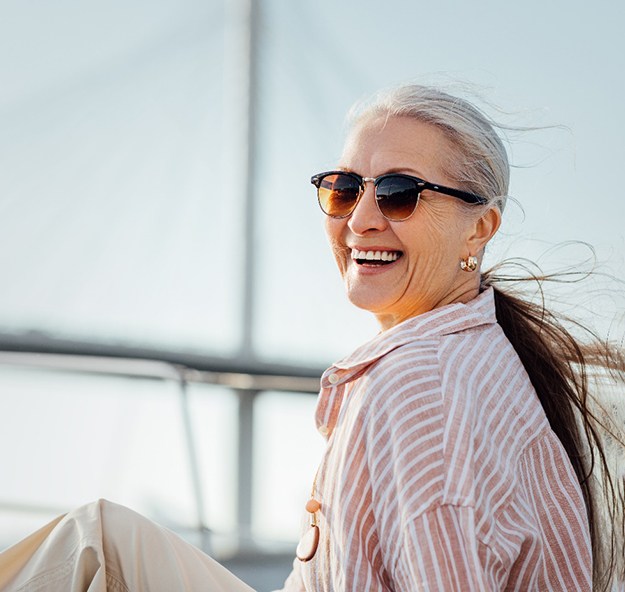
(375, 255)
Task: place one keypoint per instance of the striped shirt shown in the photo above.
(441, 470)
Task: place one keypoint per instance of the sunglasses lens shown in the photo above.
(338, 194)
(397, 197)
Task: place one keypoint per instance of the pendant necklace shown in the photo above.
(309, 542)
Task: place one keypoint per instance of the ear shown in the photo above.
(483, 230)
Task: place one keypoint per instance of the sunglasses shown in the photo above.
(396, 194)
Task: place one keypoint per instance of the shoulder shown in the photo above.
(473, 353)
(492, 415)
(404, 381)
(484, 380)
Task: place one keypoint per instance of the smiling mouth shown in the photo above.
(375, 258)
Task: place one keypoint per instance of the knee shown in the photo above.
(117, 521)
(115, 516)
(101, 516)
(108, 509)
(100, 507)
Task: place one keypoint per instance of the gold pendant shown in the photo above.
(308, 544)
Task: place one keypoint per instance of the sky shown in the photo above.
(121, 173)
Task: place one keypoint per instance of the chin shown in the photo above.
(369, 302)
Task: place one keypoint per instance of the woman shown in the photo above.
(454, 460)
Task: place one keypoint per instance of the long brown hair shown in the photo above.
(561, 367)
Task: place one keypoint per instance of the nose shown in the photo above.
(366, 217)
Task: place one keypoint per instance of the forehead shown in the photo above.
(377, 145)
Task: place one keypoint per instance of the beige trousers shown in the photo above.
(105, 547)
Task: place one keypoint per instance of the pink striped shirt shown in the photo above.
(441, 471)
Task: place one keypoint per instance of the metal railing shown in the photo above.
(246, 380)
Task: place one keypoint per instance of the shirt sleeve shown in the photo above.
(441, 551)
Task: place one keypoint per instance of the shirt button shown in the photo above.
(324, 430)
(333, 378)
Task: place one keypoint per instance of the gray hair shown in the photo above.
(481, 163)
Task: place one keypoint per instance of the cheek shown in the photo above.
(334, 231)
(330, 226)
(440, 231)
(427, 236)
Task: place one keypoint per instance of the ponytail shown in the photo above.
(559, 367)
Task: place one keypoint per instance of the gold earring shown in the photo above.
(469, 264)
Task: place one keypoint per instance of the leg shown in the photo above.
(103, 546)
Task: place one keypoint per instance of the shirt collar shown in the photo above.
(448, 319)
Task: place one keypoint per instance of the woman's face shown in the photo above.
(429, 245)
